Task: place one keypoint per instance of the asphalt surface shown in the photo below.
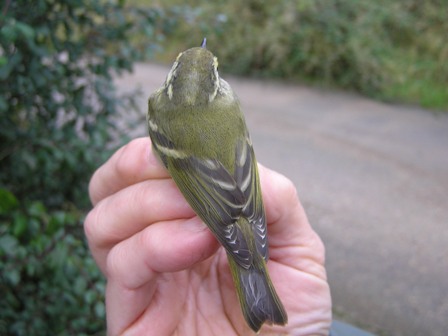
(373, 178)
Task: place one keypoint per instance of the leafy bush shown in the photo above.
(387, 49)
(49, 283)
(57, 96)
(57, 111)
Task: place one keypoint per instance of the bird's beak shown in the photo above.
(204, 43)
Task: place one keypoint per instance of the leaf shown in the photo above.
(56, 222)
(100, 310)
(37, 209)
(13, 276)
(8, 245)
(20, 225)
(8, 201)
(25, 30)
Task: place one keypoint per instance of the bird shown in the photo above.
(199, 133)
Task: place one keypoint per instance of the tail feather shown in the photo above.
(258, 298)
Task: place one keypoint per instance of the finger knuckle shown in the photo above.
(123, 164)
(132, 158)
(289, 191)
(93, 228)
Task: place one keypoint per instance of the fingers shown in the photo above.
(130, 211)
(141, 226)
(137, 191)
(133, 163)
(134, 264)
(163, 247)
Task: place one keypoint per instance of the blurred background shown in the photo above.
(347, 98)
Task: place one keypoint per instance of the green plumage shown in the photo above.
(199, 133)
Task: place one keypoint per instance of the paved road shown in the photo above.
(374, 180)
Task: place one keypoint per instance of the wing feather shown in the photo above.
(246, 176)
(211, 197)
(218, 197)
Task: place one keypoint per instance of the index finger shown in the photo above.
(135, 162)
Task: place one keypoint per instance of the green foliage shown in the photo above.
(58, 107)
(387, 49)
(49, 285)
(56, 92)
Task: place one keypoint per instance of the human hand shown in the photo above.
(166, 274)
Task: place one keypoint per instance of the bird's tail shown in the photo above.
(256, 293)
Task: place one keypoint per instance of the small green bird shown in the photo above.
(199, 133)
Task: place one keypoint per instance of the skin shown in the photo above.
(166, 274)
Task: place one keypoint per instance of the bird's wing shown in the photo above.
(214, 195)
(212, 192)
(247, 179)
